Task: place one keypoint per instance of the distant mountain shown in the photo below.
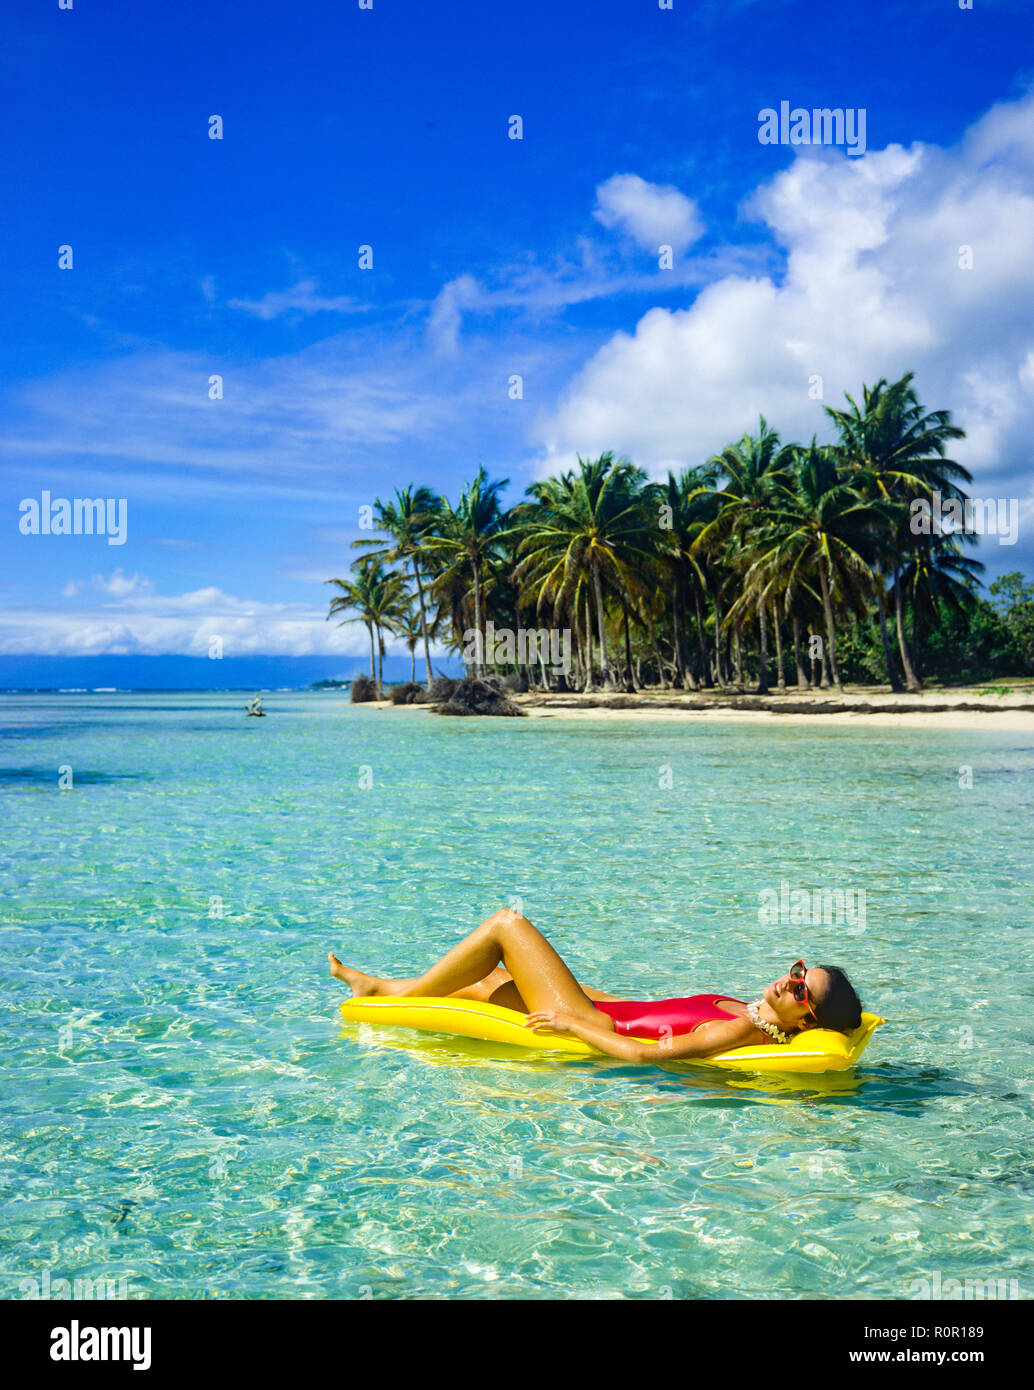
(189, 672)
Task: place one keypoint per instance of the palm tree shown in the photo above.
(467, 538)
(896, 451)
(937, 576)
(378, 598)
(411, 626)
(355, 596)
(552, 569)
(754, 468)
(764, 533)
(816, 526)
(409, 520)
(597, 523)
(692, 503)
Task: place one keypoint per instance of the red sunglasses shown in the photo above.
(800, 987)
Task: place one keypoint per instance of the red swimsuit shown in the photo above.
(654, 1019)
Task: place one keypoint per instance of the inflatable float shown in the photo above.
(814, 1050)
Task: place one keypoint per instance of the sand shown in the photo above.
(1003, 721)
(960, 709)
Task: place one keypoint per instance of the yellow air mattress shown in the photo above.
(816, 1049)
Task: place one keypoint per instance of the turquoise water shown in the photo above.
(181, 1108)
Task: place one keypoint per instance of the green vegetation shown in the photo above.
(766, 553)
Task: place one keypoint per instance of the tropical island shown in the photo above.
(771, 567)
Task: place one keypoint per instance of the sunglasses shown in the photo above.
(799, 987)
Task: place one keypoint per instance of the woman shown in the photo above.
(509, 962)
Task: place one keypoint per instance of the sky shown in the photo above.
(389, 128)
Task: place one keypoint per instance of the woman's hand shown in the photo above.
(549, 1020)
(597, 1036)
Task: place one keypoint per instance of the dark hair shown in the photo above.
(841, 1009)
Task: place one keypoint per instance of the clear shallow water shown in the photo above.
(182, 1108)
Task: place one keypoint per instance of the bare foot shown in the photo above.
(360, 984)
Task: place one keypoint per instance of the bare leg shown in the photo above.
(496, 988)
(499, 988)
(357, 981)
(541, 978)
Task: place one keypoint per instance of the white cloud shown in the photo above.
(446, 316)
(289, 420)
(651, 214)
(141, 622)
(118, 585)
(302, 298)
(347, 408)
(594, 269)
(872, 287)
(138, 621)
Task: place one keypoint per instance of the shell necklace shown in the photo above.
(770, 1028)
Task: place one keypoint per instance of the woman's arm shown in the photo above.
(709, 1039)
(703, 1042)
(602, 1038)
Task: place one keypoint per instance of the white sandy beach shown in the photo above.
(971, 708)
(1002, 721)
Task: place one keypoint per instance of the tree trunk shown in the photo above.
(718, 642)
(423, 624)
(679, 624)
(588, 688)
(479, 669)
(412, 664)
(827, 608)
(705, 660)
(679, 668)
(601, 623)
(763, 656)
(888, 659)
(373, 657)
(576, 673)
(802, 676)
(737, 647)
(917, 659)
(899, 618)
(629, 680)
(380, 663)
(662, 675)
(780, 678)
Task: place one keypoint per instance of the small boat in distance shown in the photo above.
(254, 708)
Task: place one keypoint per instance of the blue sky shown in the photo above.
(342, 127)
